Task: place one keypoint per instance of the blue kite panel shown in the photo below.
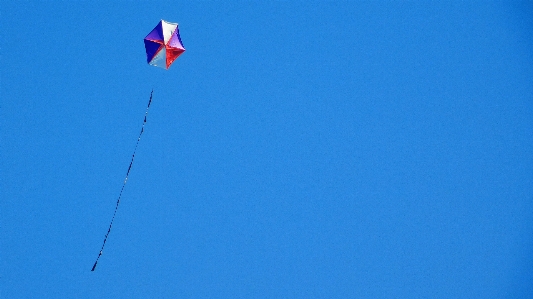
(151, 49)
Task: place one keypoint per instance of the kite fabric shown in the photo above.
(163, 45)
(125, 181)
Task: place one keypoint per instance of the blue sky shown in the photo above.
(379, 149)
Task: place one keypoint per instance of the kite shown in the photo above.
(163, 45)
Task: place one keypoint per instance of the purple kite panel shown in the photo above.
(157, 33)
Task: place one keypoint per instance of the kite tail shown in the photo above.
(125, 181)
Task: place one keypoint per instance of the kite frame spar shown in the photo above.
(125, 181)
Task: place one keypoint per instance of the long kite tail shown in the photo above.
(125, 181)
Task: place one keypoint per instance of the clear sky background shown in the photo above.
(295, 150)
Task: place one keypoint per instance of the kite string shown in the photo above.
(125, 181)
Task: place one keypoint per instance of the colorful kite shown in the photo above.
(163, 45)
